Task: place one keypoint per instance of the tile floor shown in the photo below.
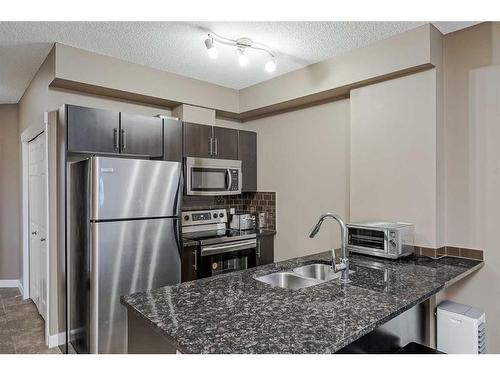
(21, 327)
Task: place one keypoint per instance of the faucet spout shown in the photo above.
(344, 255)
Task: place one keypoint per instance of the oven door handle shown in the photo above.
(233, 246)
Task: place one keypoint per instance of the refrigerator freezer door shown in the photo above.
(131, 188)
(128, 257)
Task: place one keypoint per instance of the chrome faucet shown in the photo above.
(344, 256)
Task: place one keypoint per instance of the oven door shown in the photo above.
(366, 240)
(212, 176)
(228, 257)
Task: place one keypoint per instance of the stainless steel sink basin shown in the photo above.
(318, 271)
(288, 280)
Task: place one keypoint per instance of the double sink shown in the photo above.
(301, 277)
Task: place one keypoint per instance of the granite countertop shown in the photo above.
(233, 313)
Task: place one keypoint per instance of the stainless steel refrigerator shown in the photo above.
(124, 237)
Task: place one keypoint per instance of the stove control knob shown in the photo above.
(215, 216)
(186, 218)
(221, 215)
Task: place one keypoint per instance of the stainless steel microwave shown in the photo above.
(382, 239)
(212, 176)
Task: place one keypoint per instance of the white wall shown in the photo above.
(304, 157)
(393, 153)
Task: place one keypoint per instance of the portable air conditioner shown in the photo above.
(461, 329)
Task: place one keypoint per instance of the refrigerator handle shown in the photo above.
(177, 209)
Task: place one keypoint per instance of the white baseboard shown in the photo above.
(57, 339)
(20, 286)
(9, 283)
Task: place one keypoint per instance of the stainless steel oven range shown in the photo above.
(219, 249)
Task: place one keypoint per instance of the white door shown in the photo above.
(37, 207)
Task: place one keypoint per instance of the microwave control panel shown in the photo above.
(234, 179)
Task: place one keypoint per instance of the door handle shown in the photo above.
(216, 146)
(229, 179)
(210, 146)
(115, 139)
(124, 139)
(257, 249)
(195, 263)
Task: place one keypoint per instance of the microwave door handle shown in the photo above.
(229, 179)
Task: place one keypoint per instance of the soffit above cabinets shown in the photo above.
(178, 47)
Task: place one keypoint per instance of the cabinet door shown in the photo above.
(247, 153)
(265, 250)
(172, 135)
(189, 264)
(197, 140)
(92, 130)
(225, 143)
(141, 135)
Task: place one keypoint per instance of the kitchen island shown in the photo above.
(234, 313)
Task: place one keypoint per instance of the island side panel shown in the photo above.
(142, 339)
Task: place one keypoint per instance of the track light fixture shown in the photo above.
(242, 46)
(211, 50)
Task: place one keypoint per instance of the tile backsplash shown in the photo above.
(245, 202)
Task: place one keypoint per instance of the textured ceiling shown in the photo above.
(178, 46)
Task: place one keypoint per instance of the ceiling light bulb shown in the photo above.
(211, 50)
(213, 53)
(270, 66)
(242, 58)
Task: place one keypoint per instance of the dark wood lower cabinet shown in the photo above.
(265, 250)
(189, 264)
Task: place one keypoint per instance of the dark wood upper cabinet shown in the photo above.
(204, 141)
(197, 140)
(92, 130)
(247, 153)
(225, 143)
(172, 140)
(141, 135)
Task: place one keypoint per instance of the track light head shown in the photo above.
(270, 66)
(242, 57)
(211, 50)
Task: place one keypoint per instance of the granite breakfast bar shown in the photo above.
(234, 313)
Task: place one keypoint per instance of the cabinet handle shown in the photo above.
(216, 146)
(210, 146)
(124, 139)
(42, 239)
(34, 233)
(257, 250)
(115, 138)
(195, 264)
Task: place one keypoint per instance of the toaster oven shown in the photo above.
(382, 239)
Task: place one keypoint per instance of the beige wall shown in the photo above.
(304, 157)
(463, 51)
(9, 193)
(403, 51)
(82, 66)
(393, 153)
(472, 163)
(39, 98)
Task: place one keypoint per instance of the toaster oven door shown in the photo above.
(371, 241)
